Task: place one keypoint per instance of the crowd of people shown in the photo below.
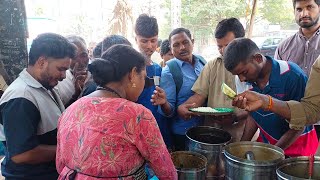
(119, 114)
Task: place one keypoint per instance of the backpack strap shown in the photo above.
(201, 59)
(176, 72)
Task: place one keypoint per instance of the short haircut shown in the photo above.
(179, 30)
(295, 1)
(77, 40)
(146, 26)
(229, 25)
(159, 42)
(239, 50)
(50, 45)
(115, 63)
(107, 42)
(165, 47)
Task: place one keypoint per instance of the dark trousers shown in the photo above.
(180, 142)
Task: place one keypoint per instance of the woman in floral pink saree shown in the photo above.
(106, 135)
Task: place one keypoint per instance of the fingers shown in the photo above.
(238, 102)
(159, 89)
(183, 111)
(190, 105)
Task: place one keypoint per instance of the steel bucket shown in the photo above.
(263, 165)
(209, 141)
(298, 169)
(189, 165)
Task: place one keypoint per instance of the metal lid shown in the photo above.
(187, 161)
(298, 168)
(207, 135)
(264, 154)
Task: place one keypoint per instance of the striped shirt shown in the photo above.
(300, 50)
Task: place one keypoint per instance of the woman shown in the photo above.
(106, 135)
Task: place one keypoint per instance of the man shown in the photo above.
(165, 52)
(90, 86)
(30, 109)
(207, 87)
(303, 48)
(298, 114)
(278, 79)
(107, 42)
(146, 29)
(189, 66)
(71, 87)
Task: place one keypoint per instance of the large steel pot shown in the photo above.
(298, 169)
(252, 160)
(209, 141)
(189, 165)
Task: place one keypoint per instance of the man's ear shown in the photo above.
(192, 40)
(41, 62)
(258, 58)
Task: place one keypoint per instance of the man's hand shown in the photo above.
(250, 101)
(80, 75)
(159, 97)
(183, 111)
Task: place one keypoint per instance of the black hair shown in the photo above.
(165, 47)
(239, 50)
(115, 63)
(229, 25)
(159, 42)
(50, 45)
(77, 40)
(179, 30)
(107, 43)
(146, 26)
(295, 1)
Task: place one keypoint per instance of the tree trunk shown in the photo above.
(13, 40)
(253, 14)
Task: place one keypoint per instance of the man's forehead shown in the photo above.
(179, 36)
(304, 3)
(227, 38)
(147, 38)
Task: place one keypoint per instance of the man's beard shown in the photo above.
(308, 25)
(45, 81)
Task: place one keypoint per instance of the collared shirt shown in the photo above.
(209, 84)
(29, 115)
(190, 74)
(287, 82)
(300, 50)
(66, 87)
(308, 110)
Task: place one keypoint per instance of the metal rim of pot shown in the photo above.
(193, 153)
(211, 128)
(253, 162)
(290, 161)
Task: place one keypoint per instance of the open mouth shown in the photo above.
(184, 54)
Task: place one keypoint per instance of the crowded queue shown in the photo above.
(120, 114)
